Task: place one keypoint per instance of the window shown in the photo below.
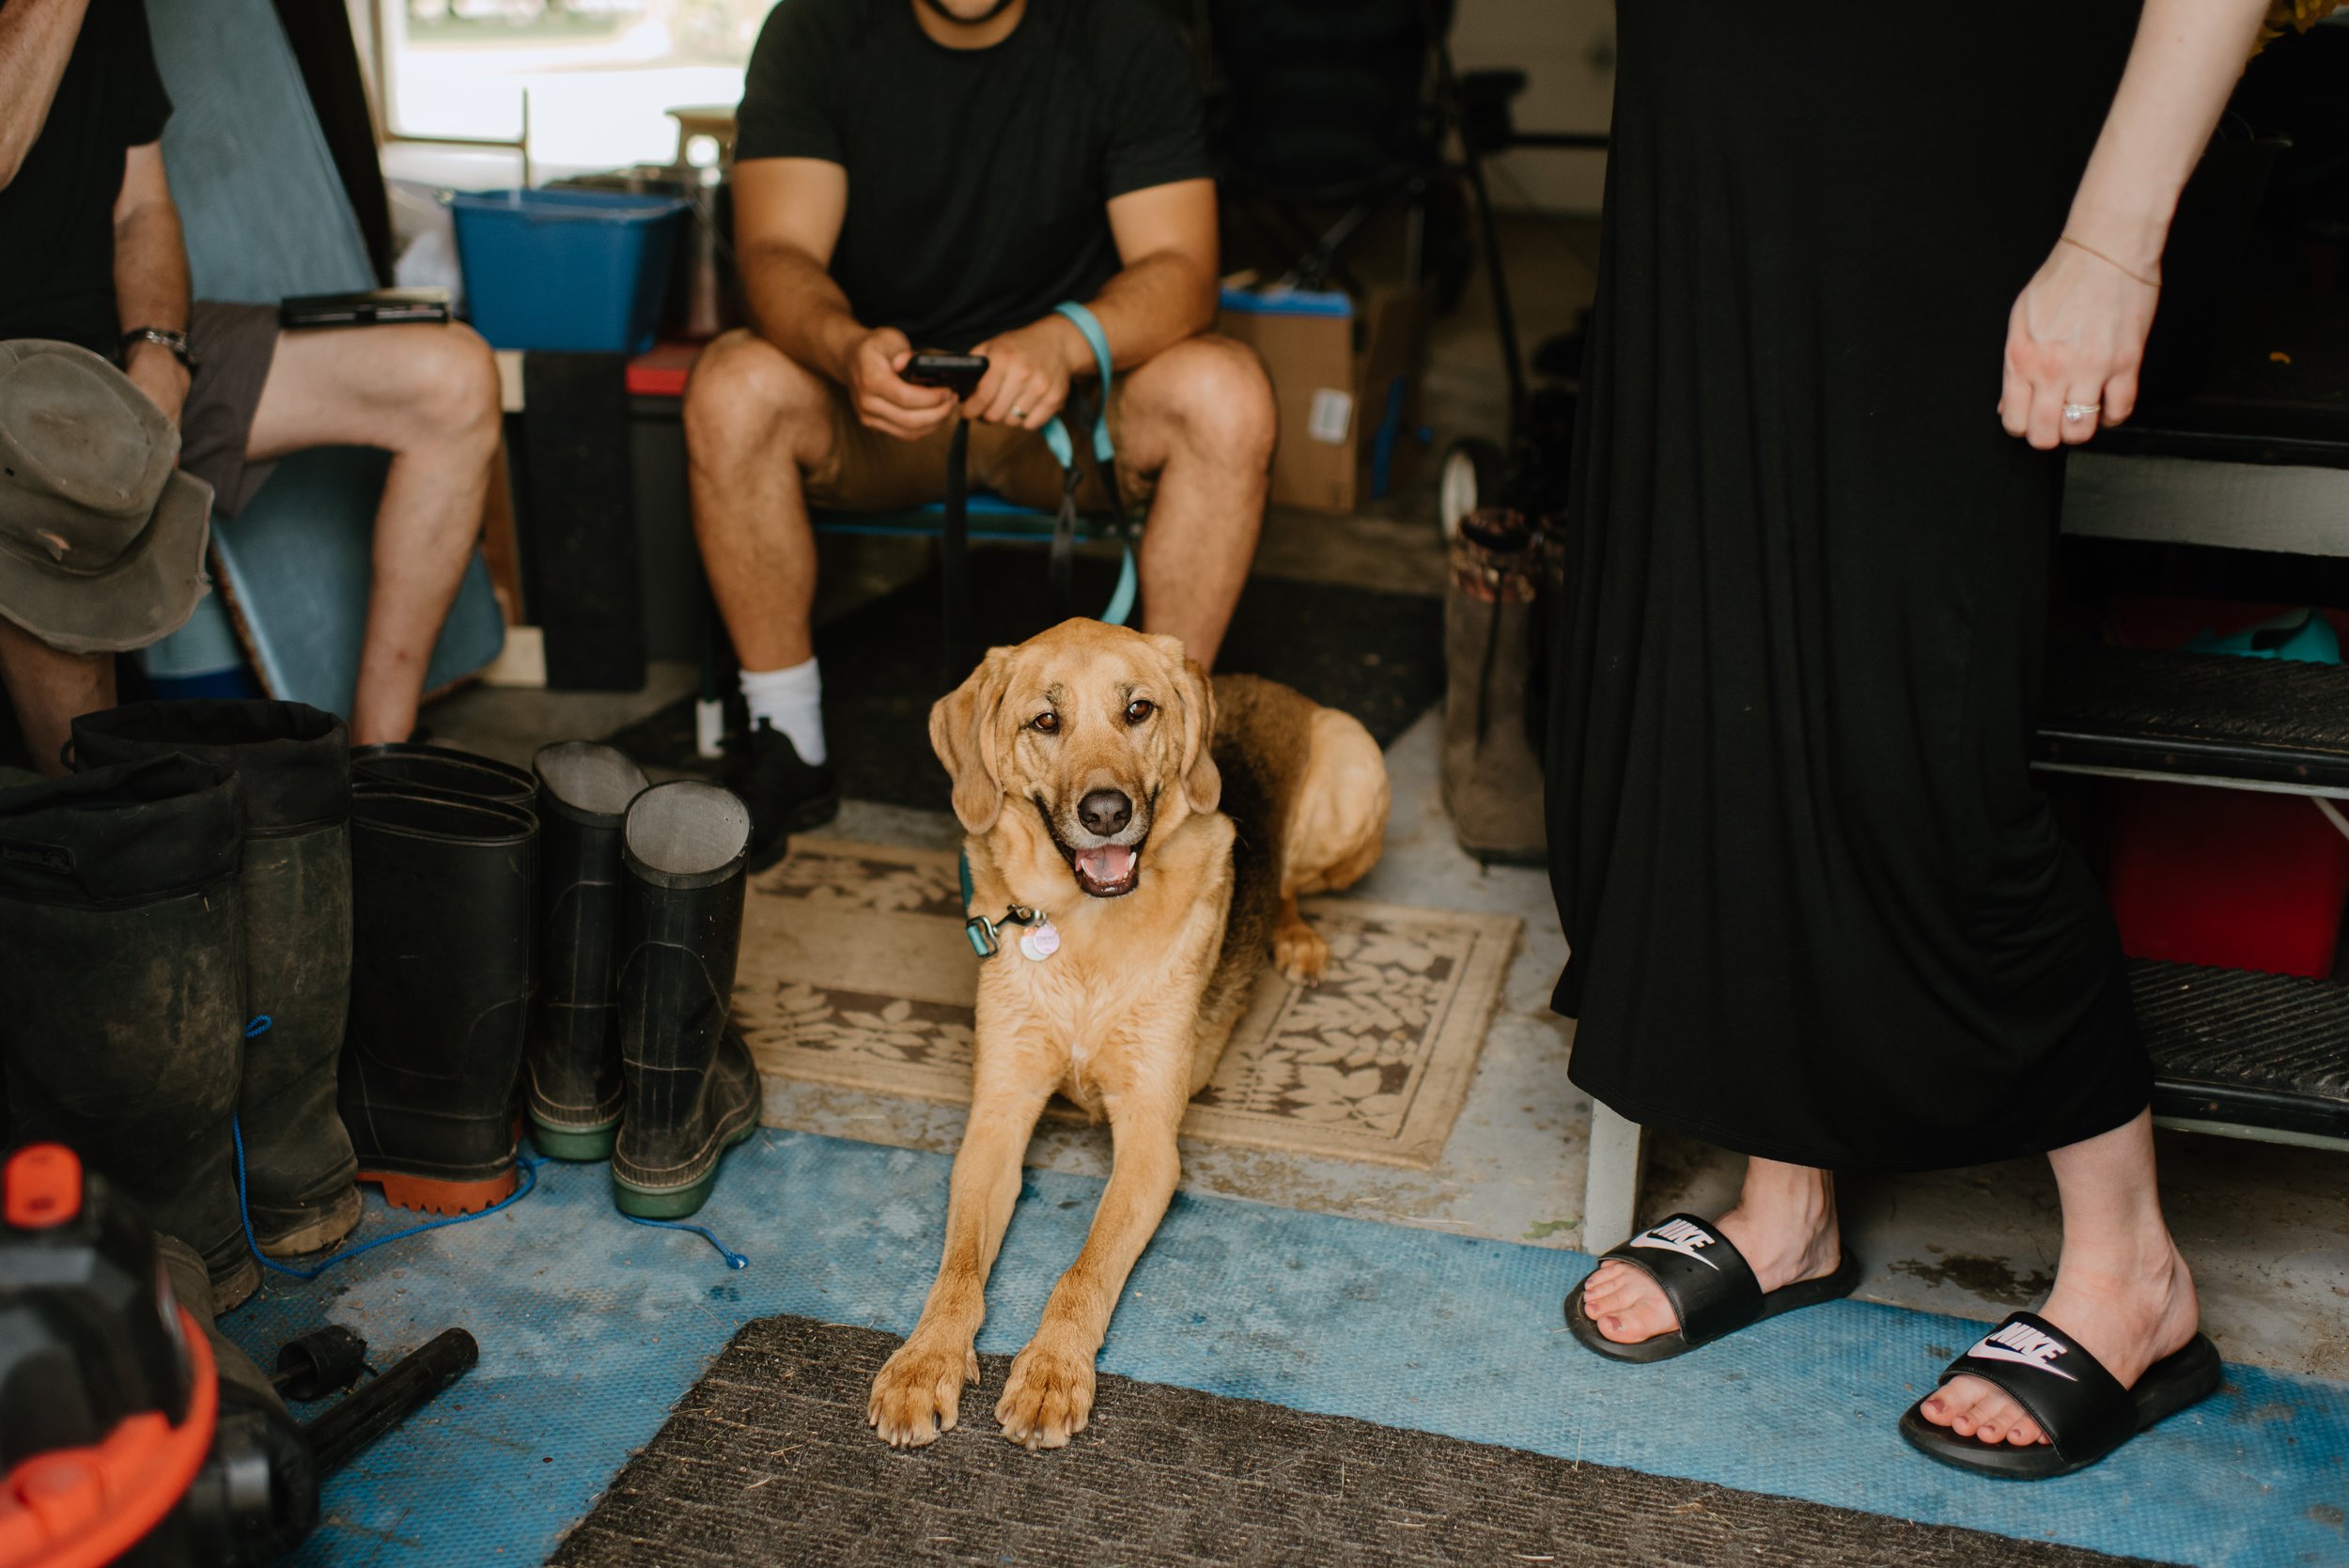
(598, 76)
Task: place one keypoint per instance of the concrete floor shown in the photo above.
(2266, 1228)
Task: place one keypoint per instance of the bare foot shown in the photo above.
(2127, 1316)
(1784, 1226)
(918, 1392)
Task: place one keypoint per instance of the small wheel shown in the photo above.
(1470, 477)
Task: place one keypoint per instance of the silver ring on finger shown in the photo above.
(1018, 413)
(2075, 412)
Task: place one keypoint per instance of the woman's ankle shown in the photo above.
(1789, 1198)
(1785, 1223)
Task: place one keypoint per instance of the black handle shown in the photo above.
(337, 1436)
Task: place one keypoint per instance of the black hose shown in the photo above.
(337, 1436)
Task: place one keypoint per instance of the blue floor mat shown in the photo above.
(591, 1329)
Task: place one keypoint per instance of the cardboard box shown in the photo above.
(1345, 377)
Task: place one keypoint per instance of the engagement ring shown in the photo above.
(2075, 412)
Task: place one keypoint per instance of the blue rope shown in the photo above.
(244, 1212)
(734, 1259)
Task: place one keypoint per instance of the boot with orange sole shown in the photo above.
(441, 917)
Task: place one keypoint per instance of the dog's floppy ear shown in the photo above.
(962, 733)
(1202, 782)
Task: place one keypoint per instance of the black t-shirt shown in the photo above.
(57, 215)
(977, 179)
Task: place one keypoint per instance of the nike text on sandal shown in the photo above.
(1710, 1286)
(2082, 1407)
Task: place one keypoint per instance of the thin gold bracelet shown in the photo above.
(2100, 255)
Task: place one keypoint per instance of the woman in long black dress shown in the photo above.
(1818, 913)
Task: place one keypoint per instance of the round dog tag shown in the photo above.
(1040, 941)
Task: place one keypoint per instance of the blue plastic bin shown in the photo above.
(583, 271)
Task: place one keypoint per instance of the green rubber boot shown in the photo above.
(692, 1089)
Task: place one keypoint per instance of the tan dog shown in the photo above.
(1088, 765)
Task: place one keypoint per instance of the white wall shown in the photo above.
(1566, 48)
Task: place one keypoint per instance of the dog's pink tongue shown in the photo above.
(1107, 866)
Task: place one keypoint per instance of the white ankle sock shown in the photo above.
(792, 702)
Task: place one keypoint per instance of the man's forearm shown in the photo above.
(1145, 310)
(801, 310)
(151, 267)
(36, 40)
(151, 290)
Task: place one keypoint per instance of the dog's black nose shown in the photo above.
(1105, 811)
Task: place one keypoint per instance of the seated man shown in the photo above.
(940, 174)
(91, 253)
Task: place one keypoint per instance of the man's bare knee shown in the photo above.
(746, 400)
(447, 379)
(1216, 400)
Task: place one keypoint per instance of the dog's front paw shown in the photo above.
(1048, 1398)
(1298, 951)
(918, 1392)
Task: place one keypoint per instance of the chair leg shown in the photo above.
(1610, 1191)
(709, 704)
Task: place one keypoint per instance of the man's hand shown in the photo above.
(154, 371)
(1028, 373)
(883, 399)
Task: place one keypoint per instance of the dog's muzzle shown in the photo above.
(1111, 864)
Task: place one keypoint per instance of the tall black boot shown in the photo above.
(443, 771)
(439, 995)
(259, 1457)
(692, 1088)
(122, 976)
(295, 762)
(572, 1085)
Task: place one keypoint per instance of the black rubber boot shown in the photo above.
(295, 762)
(572, 1086)
(122, 976)
(442, 771)
(1492, 778)
(692, 1089)
(439, 995)
(260, 1457)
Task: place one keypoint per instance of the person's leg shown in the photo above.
(428, 394)
(49, 689)
(756, 423)
(2121, 1290)
(758, 428)
(1199, 418)
(1783, 1224)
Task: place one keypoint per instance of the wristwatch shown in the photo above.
(175, 341)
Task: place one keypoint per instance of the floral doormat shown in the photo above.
(854, 972)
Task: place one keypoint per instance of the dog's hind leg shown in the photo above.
(1049, 1396)
(918, 1391)
(1337, 825)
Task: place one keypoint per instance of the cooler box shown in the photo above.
(576, 270)
(2229, 878)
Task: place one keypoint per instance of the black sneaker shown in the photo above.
(786, 795)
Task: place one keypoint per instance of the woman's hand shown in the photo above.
(2077, 336)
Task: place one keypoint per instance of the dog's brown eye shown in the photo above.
(1139, 709)
(1045, 723)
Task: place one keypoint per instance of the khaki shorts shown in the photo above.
(234, 346)
(870, 471)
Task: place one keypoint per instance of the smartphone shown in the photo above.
(957, 373)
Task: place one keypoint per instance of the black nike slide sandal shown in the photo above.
(1710, 1286)
(2082, 1407)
